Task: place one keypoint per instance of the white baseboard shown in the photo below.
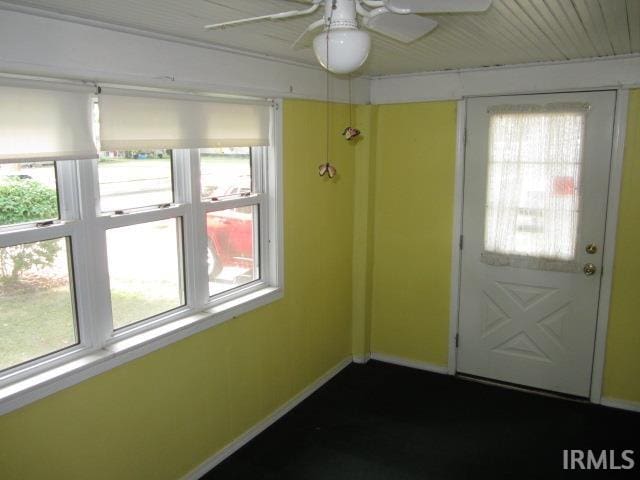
(361, 359)
(621, 404)
(405, 362)
(265, 423)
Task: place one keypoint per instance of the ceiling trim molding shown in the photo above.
(621, 71)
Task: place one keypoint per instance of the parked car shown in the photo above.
(230, 235)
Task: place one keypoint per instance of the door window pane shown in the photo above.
(134, 179)
(145, 270)
(36, 297)
(533, 187)
(28, 192)
(225, 171)
(232, 253)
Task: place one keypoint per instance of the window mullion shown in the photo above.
(91, 264)
(182, 195)
(263, 241)
(257, 169)
(195, 232)
(68, 190)
(273, 220)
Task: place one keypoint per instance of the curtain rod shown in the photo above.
(40, 81)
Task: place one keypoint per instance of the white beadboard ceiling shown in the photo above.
(510, 32)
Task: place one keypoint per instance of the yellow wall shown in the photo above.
(159, 416)
(412, 242)
(415, 167)
(622, 367)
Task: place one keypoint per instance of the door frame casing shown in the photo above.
(456, 250)
(611, 224)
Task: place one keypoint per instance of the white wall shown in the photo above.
(622, 71)
(38, 45)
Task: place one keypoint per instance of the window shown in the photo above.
(28, 193)
(533, 187)
(231, 197)
(145, 255)
(145, 270)
(173, 225)
(225, 172)
(38, 311)
(135, 179)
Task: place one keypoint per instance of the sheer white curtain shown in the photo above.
(533, 185)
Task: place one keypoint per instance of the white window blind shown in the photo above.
(144, 122)
(533, 187)
(41, 124)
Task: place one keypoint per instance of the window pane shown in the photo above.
(28, 192)
(134, 179)
(37, 314)
(225, 171)
(533, 194)
(232, 248)
(145, 270)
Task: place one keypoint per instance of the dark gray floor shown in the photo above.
(379, 421)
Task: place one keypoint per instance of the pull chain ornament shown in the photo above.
(350, 133)
(327, 169)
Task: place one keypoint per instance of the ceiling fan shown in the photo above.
(342, 47)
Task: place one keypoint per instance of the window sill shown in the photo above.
(20, 393)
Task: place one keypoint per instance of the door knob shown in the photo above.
(589, 269)
(591, 248)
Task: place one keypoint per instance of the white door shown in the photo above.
(535, 195)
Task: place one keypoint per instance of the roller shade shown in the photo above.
(41, 124)
(145, 122)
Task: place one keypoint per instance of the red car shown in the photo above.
(230, 235)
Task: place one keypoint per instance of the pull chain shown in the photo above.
(326, 168)
(350, 105)
(350, 132)
(329, 20)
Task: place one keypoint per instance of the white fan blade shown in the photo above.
(306, 38)
(437, 6)
(404, 28)
(275, 16)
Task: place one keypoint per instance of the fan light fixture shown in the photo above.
(341, 48)
(348, 49)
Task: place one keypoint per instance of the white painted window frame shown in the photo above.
(100, 348)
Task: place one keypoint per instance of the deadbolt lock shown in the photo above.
(591, 248)
(589, 269)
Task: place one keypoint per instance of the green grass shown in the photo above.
(34, 324)
(132, 307)
(40, 322)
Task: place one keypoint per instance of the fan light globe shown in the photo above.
(348, 50)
